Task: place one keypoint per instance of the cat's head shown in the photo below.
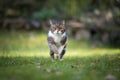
(57, 27)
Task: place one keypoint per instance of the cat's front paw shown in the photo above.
(52, 60)
(61, 59)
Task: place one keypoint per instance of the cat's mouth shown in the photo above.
(59, 33)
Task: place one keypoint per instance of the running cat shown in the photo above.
(57, 38)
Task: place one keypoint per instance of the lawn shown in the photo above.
(24, 55)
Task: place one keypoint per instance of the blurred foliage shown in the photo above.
(94, 14)
(44, 9)
(44, 14)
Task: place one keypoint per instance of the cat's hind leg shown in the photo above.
(52, 55)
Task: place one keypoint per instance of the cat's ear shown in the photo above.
(50, 22)
(63, 23)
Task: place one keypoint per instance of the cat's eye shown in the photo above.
(62, 30)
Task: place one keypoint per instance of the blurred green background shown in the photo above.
(98, 20)
(93, 47)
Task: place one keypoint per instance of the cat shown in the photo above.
(57, 38)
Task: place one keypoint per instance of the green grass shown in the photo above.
(25, 56)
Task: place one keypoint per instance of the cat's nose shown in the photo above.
(59, 32)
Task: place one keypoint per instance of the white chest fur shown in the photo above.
(57, 38)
